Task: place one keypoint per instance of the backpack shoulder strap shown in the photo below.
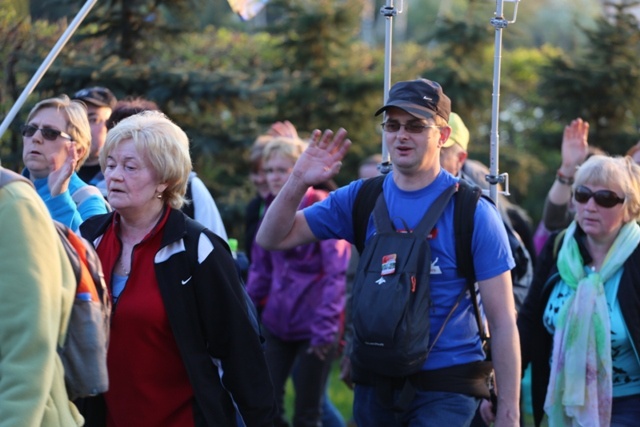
(72, 254)
(363, 206)
(557, 242)
(86, 265)
(384, 223)
(434, 212)
(463, 223)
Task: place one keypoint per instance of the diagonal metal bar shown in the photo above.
(57, 48)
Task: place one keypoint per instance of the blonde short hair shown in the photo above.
(287, 147)
(165, 145)
(616, 173)
(75, 114)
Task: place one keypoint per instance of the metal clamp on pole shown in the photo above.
(388, 11)
(502, 179)
(499, 23)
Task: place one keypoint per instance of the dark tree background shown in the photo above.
(225, 81)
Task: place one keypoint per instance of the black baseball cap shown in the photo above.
(98, 96)
(421, 98)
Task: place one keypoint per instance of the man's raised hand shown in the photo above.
(322, 159)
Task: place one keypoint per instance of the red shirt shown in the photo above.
(148, 383)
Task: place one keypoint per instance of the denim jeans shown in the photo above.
(428, 409)
(331, 417)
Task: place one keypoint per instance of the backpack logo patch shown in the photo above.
(435, 268)
(388, 264)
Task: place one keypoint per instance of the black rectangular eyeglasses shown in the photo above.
(47, 133)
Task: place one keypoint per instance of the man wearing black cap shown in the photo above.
(415, 129)
(100, 102)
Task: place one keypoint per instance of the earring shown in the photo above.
(159, 196)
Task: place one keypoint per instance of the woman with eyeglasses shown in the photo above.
(56, 140)
(580, 324)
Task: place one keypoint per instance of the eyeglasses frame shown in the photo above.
(404, 125)
(59, 133)
(597, 196)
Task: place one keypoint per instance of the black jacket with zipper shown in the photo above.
(207, 308)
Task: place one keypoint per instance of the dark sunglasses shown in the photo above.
(604, 198)
(47, 133)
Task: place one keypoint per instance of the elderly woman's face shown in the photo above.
(597, 221)
(40, 155)
(132, 183)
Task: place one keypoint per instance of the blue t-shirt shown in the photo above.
(459, 342)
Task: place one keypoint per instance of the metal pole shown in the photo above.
(389, 12)
(499, 22)
(45, 65)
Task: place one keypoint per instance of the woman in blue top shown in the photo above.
(56, 140)
(580, 323)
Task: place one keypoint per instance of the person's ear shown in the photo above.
(445, 132)
(81, 150)
(462, 156)
(161, 187)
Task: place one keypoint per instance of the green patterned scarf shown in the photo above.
(580, 387)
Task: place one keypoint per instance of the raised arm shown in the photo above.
(283, 227)
(574, 151)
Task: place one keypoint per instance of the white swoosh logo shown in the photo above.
(184, 282)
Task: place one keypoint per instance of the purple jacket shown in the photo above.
(302, 289)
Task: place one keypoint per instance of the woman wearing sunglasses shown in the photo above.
(56, 139)
(580, 324)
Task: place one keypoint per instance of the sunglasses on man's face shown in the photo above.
(411, 127)
(47, 133)
(604, 198)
